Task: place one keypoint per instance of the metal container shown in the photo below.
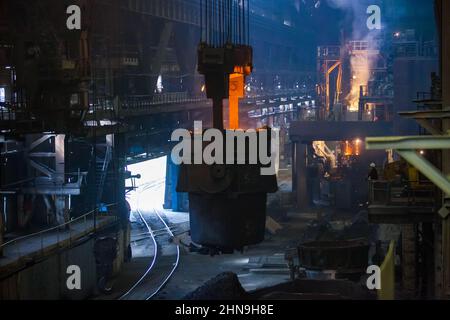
(344, 256)
(227, 203)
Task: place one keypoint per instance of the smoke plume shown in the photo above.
(356, 19)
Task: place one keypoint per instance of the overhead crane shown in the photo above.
(227, 202)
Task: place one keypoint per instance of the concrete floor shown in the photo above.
(195, 269)
(48, 241)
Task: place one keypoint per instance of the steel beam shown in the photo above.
(428, 114)
(42, 154)
(72, 189)
(42, 139)
(444, 20)
(53, 191)
(2, 228)
(61, 202)
(337, 130)
(424, 119)
(42, 169)
(427, 169)
(161, 52)
(327, 80)
(300, 178)
(427, 125)
(408, 143)
(407, 146)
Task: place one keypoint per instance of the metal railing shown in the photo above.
(104, 172)
(329, 51)
(61, 180)
(428, 101)
(424, 95)
(7, 113)
(140, 103)
(375, 91)
(387, 290)
(402, 193)
(62, 232)
(143, 101)
(172, 97)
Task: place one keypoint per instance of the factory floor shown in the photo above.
(44, 243)
(195, 269)
(257, 267)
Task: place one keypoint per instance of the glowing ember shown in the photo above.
(361, 73)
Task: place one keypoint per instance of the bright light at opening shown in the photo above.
(203, 88)
(153, 176)
(159, 84)
(2, 95)
(422, 152)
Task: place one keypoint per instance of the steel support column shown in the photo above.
(445, 74)
(427, 169)
(300, 175)
(161, 53)
(61, 201)
(427, 125)
(119, 162)
(186, 56)
(1, 226)
(407, 146)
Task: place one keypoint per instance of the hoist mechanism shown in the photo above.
(225, 57)
(227, 201)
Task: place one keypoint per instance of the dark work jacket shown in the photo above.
(373, 174)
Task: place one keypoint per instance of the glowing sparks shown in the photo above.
(360, 66)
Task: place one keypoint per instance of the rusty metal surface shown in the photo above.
(227, 222)
(344, 256)
(314, 289)
(227, 202)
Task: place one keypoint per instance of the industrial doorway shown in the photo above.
(150, 188)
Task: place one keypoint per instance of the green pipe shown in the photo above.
(412, 142)
(427, 169)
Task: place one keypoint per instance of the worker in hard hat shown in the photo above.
(373, 173)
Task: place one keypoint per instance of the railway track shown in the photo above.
(166, 254)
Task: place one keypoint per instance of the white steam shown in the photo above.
(361, 64)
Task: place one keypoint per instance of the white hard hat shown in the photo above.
(373, 165)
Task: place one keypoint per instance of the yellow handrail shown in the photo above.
(387, 291)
